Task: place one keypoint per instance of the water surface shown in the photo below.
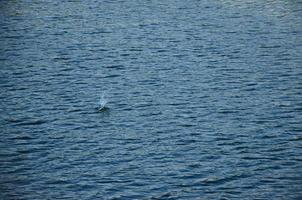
(204, 99)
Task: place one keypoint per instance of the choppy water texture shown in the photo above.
(204, 99)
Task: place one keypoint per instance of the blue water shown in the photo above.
(204, 99)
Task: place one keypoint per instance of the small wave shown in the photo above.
(26, 121)
(33, 122)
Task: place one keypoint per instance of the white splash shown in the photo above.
(102, 103)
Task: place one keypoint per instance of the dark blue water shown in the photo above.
(204, 99)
